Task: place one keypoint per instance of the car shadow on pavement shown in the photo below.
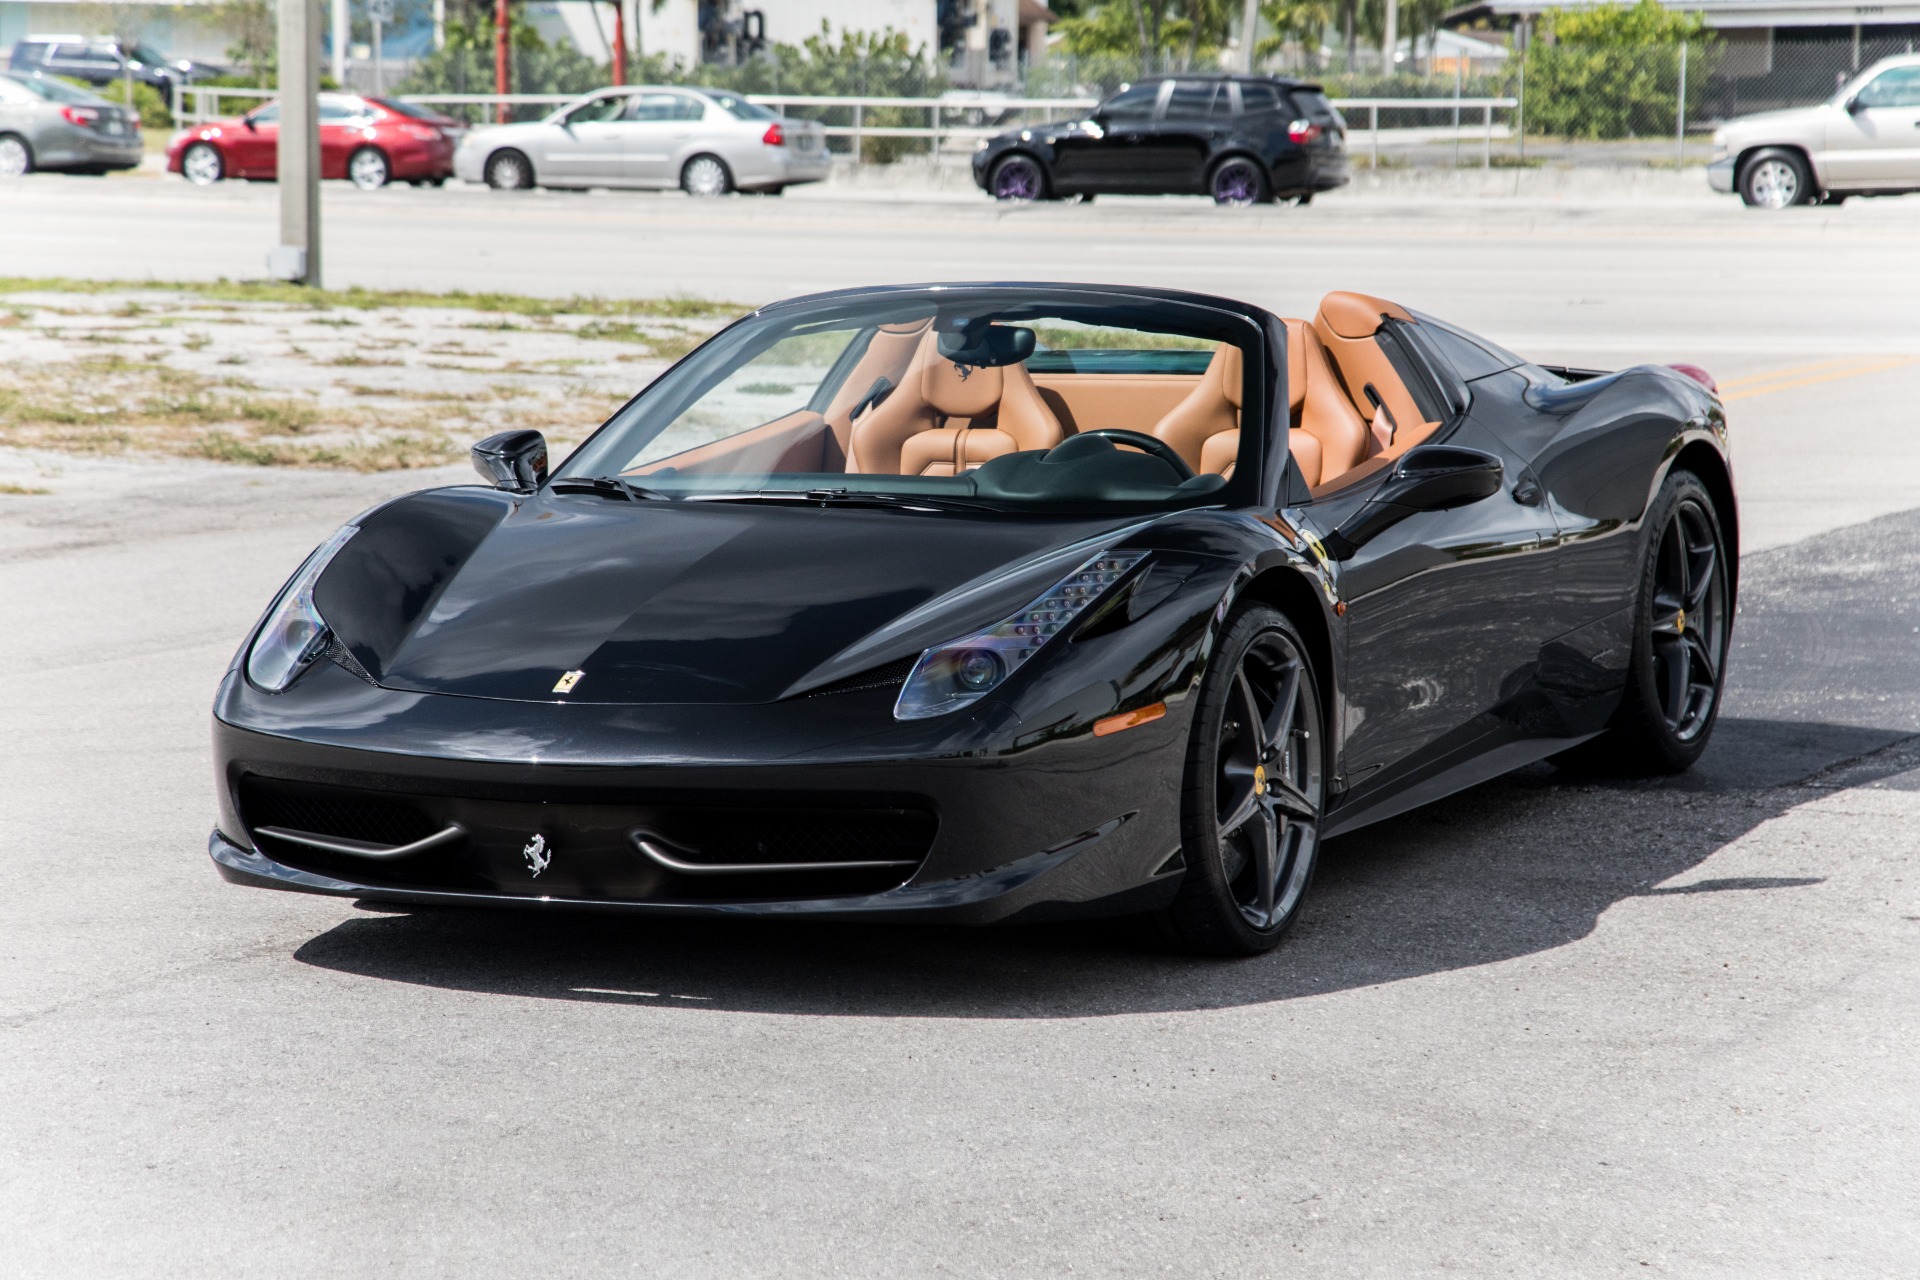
(1517, 866)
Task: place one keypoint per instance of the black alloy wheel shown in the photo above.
(508, 170)
(1254, 792)
(1681, 634)
(1237, 182)
(1019, 179)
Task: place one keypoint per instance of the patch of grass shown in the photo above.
(21, 489)
(497, 326)
(276, 417)
(674, 306)
(1517, 162)
(337, 322)
(129, 310)
(232, 359)
(766, 389)
(353, 360)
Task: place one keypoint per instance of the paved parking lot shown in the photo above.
(1546, 1027)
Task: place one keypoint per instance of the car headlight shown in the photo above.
(294, 633)
(960, 672)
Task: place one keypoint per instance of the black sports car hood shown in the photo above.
(474, 592)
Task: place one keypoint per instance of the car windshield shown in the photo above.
(149, 55)
(411, 110)
(1065, 399)
(60, 91)
(740, 109)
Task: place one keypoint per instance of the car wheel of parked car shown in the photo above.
(16, 157)
(706, 176)
(1238, 181)
(1018, 178)
(368, 169)
(509, 171)
(1775, 180)
(202, 165)
(1680, 638)
(1254, 792)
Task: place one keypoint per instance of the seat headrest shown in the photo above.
(959, 390)
(1226, 365)
(1357, 315)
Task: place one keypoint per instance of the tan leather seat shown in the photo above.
(1328, 437)
(1204, 428)
(1349, 325)
(946, 418)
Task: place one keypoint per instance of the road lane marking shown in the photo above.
(1817, 379)
(1775, 375)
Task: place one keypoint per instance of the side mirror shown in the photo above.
(1430, 478)
(1853, 105)
(513, 460)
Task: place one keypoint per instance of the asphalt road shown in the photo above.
(1549, 1027)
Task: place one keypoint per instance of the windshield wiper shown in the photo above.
(853, 498)
(613, 486)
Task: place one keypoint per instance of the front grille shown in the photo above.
(588, 844)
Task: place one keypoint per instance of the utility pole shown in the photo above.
(1391, 44)
(338, 54)
(502, 67)
(1249, 28)
(297, 257)
(379, 12)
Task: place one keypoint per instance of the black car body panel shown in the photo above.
(1286, 127)
(742, 663)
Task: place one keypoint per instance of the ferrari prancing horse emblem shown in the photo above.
(566, 682)
(536, 855)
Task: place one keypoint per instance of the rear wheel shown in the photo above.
(1775, 180)
(16, 157)
(1254, 792)
(1018, 179)
(1682, 625)
(202, 165)
(509, 171)
(1237, 181)
(706, 176)
(368, 169)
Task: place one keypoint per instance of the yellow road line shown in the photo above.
(1820, 378)
(1776, 375)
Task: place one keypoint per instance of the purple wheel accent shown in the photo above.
(1236, 183)
(1016, 178)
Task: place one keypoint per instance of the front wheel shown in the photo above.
(1017, 179)
(1682, 626)
(1775, 180)
(368, 169)
(509, 171)
(706, 176)
(1238, 182)
(16, 158)
(202, 165)
(1254, 791)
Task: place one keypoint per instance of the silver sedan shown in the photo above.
(49, 124)
(706, 141)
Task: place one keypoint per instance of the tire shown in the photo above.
(16, 157)
(1253, 794)
(368, 169)
(1776, 179)
(1017, 179)
(202, 164)
(706, 176)
(1683, 619)
(1237, 182)
(509, 170)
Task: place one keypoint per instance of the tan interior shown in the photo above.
(942, 419)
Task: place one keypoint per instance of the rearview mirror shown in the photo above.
(984, 345)
(1430, 478)
(251, 126)
(513, 460)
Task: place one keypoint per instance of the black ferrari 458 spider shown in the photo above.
(990, 602)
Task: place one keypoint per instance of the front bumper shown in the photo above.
(1030, 824)
(1720, 175)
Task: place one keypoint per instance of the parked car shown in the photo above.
(705, 141)
(1863, 141)
(369, 141)
(48, 124)
(1240, 139)
(99, 61)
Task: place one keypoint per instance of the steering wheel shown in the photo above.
(1146, 444)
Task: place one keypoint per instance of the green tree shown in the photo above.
(1613, 71)
(465, 65)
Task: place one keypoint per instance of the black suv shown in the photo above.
(1240, 139)
(100, 62)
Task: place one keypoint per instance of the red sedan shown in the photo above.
(369, 141)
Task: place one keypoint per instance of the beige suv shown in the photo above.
(1863, 141)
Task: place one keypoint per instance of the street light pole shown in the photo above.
(1249, 28)
(297, 257)
(1391, 44)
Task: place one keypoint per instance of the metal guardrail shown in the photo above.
(934, 129)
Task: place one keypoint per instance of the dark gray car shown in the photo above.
(102, 62)
(48, 124)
